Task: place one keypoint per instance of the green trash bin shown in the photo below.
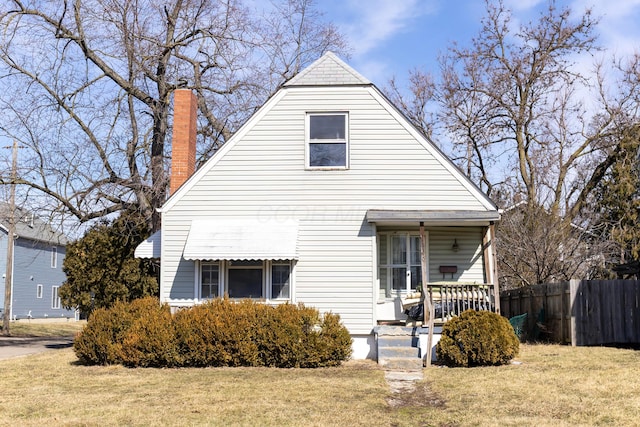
(518, 324)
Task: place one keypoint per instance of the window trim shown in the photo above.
(231, 266)
(55, 298)
(199, 281)
(389, 292)
(270, 277)
(267, 279)
(39, 291)
(309, 141)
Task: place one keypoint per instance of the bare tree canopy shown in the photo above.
(86, 87)
(538, 117)
(526, 118)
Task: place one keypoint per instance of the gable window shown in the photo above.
(39, 289)
(327, 140)
(54, 257)
(55, 299)
(399, 262)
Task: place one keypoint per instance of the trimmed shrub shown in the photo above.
(132, 334)
(149, 340)
(477, 338)
(100, 341)
(298, 337)
(218, 333)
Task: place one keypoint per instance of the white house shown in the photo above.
(318, 199)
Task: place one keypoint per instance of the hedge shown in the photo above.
(221, 332)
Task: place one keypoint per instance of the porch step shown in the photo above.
(401, 363)
(398, 347)
(396, 351)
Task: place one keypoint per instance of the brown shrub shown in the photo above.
(477, 338)
(218, 333)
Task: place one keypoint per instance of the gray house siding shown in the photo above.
(3, 265)
(33, 267)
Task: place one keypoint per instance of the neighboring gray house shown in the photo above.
(318, 199)
(37, 267)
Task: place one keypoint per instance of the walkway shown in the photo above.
(22, 346)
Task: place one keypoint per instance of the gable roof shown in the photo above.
(331, 71)
(29, 226)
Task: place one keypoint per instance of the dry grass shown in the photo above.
(34, 328)
(554, 385)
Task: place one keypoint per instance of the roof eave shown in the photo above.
(432, 218)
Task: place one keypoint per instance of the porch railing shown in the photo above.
(451, 299)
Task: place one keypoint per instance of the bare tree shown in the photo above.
(419, 106)
(522, 116)
(535, 246)
(530, 124)
(86, 87)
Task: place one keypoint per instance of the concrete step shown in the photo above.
(401, 363)
(397, 330)
(397, 351)
(397, 341)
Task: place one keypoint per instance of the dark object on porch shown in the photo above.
(452, 269)
(415, 312)
(518, 323)
(441, 309)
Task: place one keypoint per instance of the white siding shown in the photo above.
(262, 176)
(468, 259)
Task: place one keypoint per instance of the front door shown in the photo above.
(399, 271)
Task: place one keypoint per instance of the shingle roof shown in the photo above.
(29, 226)
(329, 70)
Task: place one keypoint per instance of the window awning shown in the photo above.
(432, 218)
(242, 240)
(150, 248)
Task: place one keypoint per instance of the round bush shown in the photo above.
(477, 338)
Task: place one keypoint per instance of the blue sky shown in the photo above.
(390, 37)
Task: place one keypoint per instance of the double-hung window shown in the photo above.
(55, 298)
(209, 280)
(280, 280)
(327, 141)
(399, 263)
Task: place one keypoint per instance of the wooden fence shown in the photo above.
(587, 312)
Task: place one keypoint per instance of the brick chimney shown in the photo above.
(183, 157)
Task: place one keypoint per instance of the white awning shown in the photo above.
(242, 240)
(150, 248)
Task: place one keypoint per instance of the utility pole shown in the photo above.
(8, 279)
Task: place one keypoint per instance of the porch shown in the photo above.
(404, 344)
(448, 299)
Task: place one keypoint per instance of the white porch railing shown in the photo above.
(451, 299)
